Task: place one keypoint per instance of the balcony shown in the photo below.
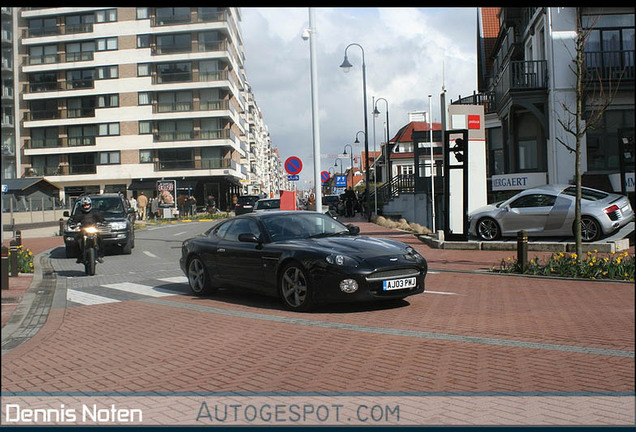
(193, 135)
(187, 76)
(191, 106)
(609, 66)
(518, 78)
(59, 114)
(57, 30)
(194, 164)
(81, 141)
(188, 18)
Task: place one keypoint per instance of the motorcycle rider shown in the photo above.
(89, 216)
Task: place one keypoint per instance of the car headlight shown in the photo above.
(341, 260)
(412, 254)
(71, 228)
(118, 225)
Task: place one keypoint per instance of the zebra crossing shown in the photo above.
(124, 291)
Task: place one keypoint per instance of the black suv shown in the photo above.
(119, 228)
(245, 204)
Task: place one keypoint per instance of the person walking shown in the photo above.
(154, 207)
(181, 204)
(142, 202)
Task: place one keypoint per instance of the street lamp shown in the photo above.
(336, 164)
(388, 137)
(357, 141)
(345, 67)
(350, 169)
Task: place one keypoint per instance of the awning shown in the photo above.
(137, 184)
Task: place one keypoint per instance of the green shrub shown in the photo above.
(614, 266)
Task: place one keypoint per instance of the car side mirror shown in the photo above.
(353, 230)
(66, 213)
(248, 238)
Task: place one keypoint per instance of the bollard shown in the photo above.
(18, 237)
(61, 226)
(522, 250)
(5, 267)
(13, 249)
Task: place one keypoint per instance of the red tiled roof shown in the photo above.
(405, 134)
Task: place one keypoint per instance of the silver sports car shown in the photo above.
(549, 211)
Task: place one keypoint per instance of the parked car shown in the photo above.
(119, 229)
(245, 204)
(267, 204)
(305, 258)
(549, 211)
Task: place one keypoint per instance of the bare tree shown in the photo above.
(596, 97)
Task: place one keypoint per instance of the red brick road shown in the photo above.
(473, 333)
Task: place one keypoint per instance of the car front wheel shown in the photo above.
(590, 229)
(488, 229)
(198, 277)
(294, 288)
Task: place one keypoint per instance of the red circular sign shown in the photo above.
(324, 176)
(293, 165)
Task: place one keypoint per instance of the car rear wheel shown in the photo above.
(488, 229)
(198, 277)
(295, 291)
(590, 229)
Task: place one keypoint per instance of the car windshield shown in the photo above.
(105, 205)
(288, 226)
(267, 204)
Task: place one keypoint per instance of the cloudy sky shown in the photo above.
(409, 53)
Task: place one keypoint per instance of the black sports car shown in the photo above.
(303, 257)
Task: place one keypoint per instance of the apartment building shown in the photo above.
(528, 89)
(114, 99)
(10, 158)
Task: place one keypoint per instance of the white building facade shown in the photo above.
(114, 99)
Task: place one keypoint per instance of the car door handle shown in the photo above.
(220, 250)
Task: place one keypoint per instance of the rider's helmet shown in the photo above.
(86, 204)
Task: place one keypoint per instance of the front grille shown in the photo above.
(392, 274)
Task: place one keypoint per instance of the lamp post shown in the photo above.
(388, 137)
(430, 124)
(336, 164)
(345, 67)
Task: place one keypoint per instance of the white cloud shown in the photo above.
(404, 48)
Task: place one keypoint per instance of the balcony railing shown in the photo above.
(81, 141)
(191, 106)
(57, 30)
(609, 65)
(59, 114)
(193, 135)
(168, 78)
(192, 164)
(187, 18)
(521, 76)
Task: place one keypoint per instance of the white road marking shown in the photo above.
(441, 292)
(86, 298)
(179, 233)
(150, 254)
(175, 279)
(141, 289)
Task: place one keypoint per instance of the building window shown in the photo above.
(145, 127)
(174, 43)
(142, 13)
(145, 156)
(144, 98)
(107, 44)
(80, 51)
(496, 160)
(109, 15)
(108, 101)
(143, 69)
(174, 72)
(108, 129)
(109, 158)
(82, 163)
(602, 140)
(42, 54)
(81, 135)
(143, 41)
(107, 72)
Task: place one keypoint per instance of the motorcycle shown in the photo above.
(89, 246)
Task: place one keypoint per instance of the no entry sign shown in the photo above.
(293, 165)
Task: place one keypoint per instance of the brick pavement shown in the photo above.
(488, 335)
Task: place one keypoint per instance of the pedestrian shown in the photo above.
(142, 202)
(154, 207)
(133, 203)
(181, 200)
(349, 199)
(191, 205)
(211, 204)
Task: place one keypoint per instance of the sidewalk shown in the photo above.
(18, 285)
